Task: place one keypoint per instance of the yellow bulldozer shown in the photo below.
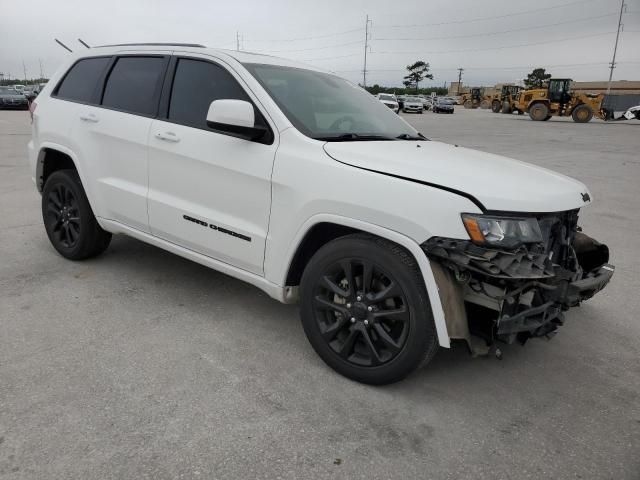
(503, 101)
(473, 98)
(558, 100)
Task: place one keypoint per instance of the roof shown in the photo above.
(241, 56)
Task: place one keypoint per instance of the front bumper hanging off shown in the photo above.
(521, 293)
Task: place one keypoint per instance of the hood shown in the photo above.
(496, 182)
(389, 102)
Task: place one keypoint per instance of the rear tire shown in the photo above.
(582, 114)
(506, 107)
(468, 104)
(484, 104)
(538, 112)
(68, 219)
(365, 309)
(495, 106)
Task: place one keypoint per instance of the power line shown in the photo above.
(497, 48)
(492, 17)
(312, 48)
(306, 38)
(536, 27)
(331, 58)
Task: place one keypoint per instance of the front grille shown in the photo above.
(389, 105)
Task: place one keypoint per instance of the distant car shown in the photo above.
(390, 101)
(10, 98)
(412, 104)
(423, 100)
(18, 88)
(442, 105)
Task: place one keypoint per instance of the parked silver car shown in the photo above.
(12, 99)
(412, 104)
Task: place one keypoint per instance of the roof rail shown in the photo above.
(154, 44)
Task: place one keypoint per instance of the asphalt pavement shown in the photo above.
(140, 364)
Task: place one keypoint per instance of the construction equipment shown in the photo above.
(503, 101)
(473, 98)
(558, 100)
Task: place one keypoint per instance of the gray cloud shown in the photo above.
(493, 40)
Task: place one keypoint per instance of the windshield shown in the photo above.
(327, 107)
(387, 97)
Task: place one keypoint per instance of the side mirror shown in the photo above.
(235, 117)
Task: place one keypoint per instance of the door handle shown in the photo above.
(90, 117)
(168, 137)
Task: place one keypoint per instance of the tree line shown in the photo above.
(419, 71)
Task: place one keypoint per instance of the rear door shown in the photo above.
(114, 136)
(208, 191)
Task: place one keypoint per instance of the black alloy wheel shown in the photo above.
(62, 215)
(68, 219)
(365, 309)
(361, 312)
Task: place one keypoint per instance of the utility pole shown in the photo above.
(24, 70)
(366, 47)
(615, 48)
(237, 40)
(460, 70)
(41, 73)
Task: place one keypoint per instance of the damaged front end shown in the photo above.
(516, 277)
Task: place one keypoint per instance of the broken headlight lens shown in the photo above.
(505, 232)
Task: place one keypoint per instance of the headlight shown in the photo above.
(506, 232)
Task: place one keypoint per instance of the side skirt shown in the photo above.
(276, 292)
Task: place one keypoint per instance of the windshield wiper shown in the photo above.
(353, 137)
(406, 136)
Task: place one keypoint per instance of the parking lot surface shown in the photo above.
(140, 364)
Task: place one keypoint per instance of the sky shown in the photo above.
(495, 41)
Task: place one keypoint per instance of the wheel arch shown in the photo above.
(52, 157)
(322, 228)
(536, 102)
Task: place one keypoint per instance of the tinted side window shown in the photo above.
(133, 85)
(195, 85)
(81, 80)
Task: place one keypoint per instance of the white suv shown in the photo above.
(304, 185)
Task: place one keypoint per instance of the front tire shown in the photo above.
(582, 114)
(365, 309)
(538, 112)
(68, 219)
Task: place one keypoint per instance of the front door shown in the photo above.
(208, 191)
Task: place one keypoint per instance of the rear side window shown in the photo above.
(81, 80)
(134, 85)
(195, 85)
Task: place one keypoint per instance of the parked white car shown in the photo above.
(412, 104)
(304, 185)
(390, 101)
